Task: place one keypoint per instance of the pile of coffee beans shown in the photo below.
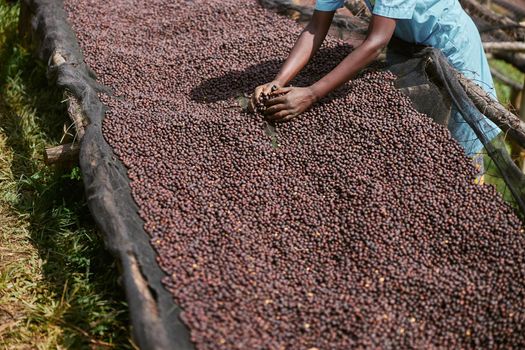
(363, 229)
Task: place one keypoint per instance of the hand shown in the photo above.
(266, 89)
(294, 101)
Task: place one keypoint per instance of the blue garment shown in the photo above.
(442, 24)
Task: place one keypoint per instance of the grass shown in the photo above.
(57, 283)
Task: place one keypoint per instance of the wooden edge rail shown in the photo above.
(510, 46)
(358, 8)
(487, 13)
(509, 123)
(346, 22)
(506, 80)
(62, 154)
(74, 110)
(517, 59)
(67, 153)
(515, 7)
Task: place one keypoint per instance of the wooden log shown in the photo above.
(510, 46)
(345, 22)
(508, 122)
(67, 153)
(358, 8)
(62, 154)
(74, 110)
(516, 59)
(515, 7)
(506, 80)
(502, 29)
(485, 13)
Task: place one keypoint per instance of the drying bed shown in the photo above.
(357, 225)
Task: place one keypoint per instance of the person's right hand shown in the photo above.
(266, 89)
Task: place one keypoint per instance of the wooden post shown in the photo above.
(62, 154)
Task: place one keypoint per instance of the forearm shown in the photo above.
(289, 102)
(347, 69)
(305, 47)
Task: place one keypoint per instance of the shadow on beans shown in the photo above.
(236, 82)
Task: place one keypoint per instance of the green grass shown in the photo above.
(504, 92)
(58, 286)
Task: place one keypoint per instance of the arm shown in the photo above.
(297, 100)
(305, 47)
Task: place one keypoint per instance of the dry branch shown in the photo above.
(517, 8)
(74, 110)
(62, 154)
(506, 80)
(345, 22)
(488, 15)
(509, 123)
(512, 46)
(358, 8)
(516, 59)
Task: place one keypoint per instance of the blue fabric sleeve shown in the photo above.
(328, 5)
(396, 9)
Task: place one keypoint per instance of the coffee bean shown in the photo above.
(363, 229)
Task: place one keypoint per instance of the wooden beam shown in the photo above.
(516, 59)
(344, 22)
(487, 14)
(508, 122)
(506, 80)
(515, 7)
(74, 110)
(358, 8)
(510, 46)
(62, 154)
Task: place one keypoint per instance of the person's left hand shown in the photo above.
(294, 101)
